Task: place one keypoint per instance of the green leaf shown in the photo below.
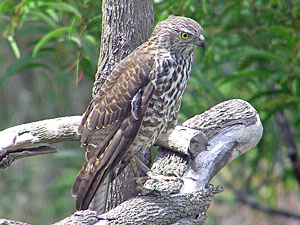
(263, 94)
(282, 32)
(76, 40)
(47, 37)
(297, 56)
(14, 46)
(206, 84)
(272, 110)
(45, 18)
(205, 3)
(64, 7)
(20, 65)
(5, 4)
(257, 53)
(246, 74)
(91, 39)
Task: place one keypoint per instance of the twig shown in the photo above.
(244, 198)
(290, 143)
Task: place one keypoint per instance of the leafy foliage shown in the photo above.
(51, 25)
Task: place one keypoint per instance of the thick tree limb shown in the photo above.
(25, 140)
(175, 209)
(185, 140)
(11, 222)
(153, 211)
(86, 217)
(235, 129)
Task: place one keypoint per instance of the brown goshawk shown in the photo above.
(138, 102)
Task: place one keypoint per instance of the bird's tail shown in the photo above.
(100, 198)
(99, 201)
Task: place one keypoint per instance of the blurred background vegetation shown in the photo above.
(48, 58)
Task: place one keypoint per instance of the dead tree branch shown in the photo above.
(244, 196)
(235, 129)
(290, 142)
(30, 139)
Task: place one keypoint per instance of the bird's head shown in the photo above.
(179, 34)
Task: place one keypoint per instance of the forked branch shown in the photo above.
(228, 129)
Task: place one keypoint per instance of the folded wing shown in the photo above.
(112, 121)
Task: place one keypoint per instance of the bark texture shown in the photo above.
(236, 129)
(30, 139)
(126, 24)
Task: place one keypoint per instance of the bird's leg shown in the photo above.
(141, 165)
(156, 185)
(140, 180)
(132, 162)
(151, 174)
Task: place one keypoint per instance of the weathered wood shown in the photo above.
(149, 210)
(185, 140)
(11, 222)
(163, 209)
(25, 140)
(86, 217)
(235, 130)
(225, 114)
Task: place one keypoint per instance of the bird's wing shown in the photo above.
(112, 121)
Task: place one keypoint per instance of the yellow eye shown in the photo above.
(185, 36)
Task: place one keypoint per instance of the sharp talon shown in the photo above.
(148, 192)
(140, 180)
(160, 177)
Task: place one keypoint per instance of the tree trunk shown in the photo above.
(126, 24)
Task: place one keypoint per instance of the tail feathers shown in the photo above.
(77, 182)
(99, 201)
(97, 170)
(87, 188)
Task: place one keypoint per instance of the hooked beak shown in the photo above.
(201, 42)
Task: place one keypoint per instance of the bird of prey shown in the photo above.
(138, 102)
